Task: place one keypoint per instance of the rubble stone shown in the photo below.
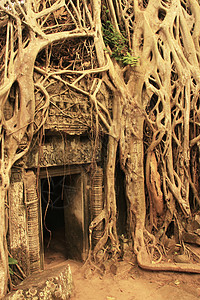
(55, 283)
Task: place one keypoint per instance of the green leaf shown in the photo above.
(12, 261)
(106, 50)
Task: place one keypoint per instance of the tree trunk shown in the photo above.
(15, 132)
(3, 244)
(134, 174)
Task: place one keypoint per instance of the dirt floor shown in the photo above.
(132, 283)
(125, 280)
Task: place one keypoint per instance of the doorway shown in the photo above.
(53, 218)
(62, 210)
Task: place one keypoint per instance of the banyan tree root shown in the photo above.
(145, 263)
(153, 183)
(100, 247)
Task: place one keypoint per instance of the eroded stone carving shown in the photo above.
(57, 152)
(42, 287)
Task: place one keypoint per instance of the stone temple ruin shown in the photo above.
(55, 193)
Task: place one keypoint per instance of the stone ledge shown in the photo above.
(54, 283)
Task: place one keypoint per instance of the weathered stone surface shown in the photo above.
(57, 152)
(55, 283)
(191, 238)
(181, 259)
(18, 237)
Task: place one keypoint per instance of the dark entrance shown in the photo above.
(121, 200)
(62, 217)
(52, 189)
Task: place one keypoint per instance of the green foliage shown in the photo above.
(11, 261)
(128, 59)
(117, 43)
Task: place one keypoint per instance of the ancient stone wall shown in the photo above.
(58, 151)
(66, 149)
(18, 238)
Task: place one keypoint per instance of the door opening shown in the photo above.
(62, 217)
(121, 200)
(52, 189)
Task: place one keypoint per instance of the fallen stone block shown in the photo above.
(54, 283)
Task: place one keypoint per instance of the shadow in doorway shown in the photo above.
(62, 215)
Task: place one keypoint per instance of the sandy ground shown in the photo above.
(130, 283)
(125, 280)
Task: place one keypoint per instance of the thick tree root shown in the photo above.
(144, 263)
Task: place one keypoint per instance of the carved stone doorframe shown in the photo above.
(32, 205)
(79, 172)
